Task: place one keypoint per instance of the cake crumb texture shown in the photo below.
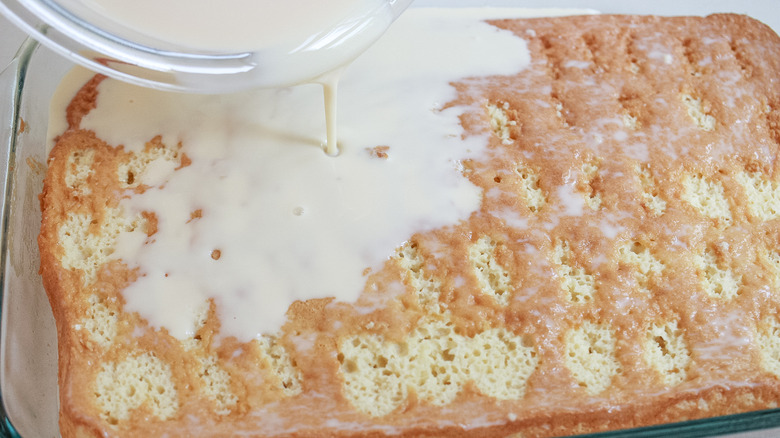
(622, 271)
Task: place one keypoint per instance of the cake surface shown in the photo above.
(622, 269)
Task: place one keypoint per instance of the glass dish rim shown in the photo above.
(17, 69)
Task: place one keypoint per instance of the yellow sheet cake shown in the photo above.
(622, 270)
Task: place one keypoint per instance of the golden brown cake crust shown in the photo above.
(657, 302)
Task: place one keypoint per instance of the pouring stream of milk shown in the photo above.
(330, 84)
(290, 41)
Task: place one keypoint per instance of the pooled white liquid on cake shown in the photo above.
(290, 222)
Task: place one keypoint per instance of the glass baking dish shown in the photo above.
(28, 354)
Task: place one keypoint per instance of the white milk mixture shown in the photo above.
(290, 222)
(286, 41)
(209, 26)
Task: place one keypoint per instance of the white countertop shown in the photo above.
(767, 11)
